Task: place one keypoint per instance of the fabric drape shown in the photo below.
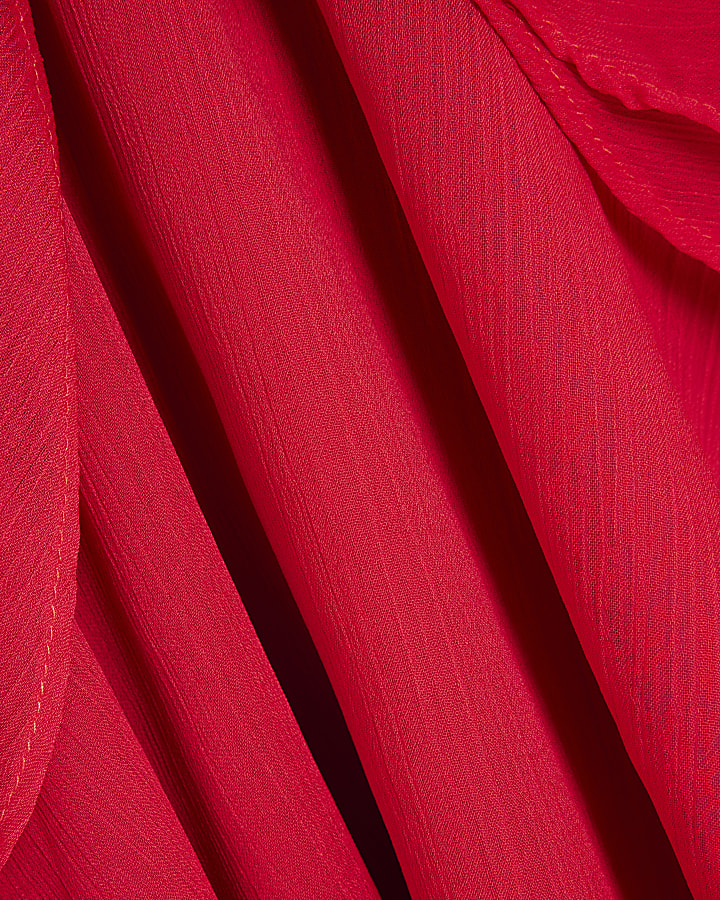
(361, 401)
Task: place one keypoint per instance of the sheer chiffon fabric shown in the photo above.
(359, 489)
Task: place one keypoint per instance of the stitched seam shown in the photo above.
(662, 93)
(674, 217)
(53, 605)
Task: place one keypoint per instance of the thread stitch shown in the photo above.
(606, 67)
(674, 216)
(53, 606)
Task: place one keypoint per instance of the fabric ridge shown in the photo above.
(360, 379)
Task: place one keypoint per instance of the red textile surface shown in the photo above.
(384, 339)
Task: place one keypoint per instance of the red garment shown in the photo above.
(369, 352)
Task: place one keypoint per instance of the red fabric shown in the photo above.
(38, 489)
(393, 331)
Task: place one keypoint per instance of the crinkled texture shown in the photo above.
(38, 488)
(396, 335)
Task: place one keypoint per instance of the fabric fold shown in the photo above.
(99, 782)
(648, 56)
(162, 615)
(542, 306)
(380, 485)
(657, 148)
(38, 490)
(445, 280)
